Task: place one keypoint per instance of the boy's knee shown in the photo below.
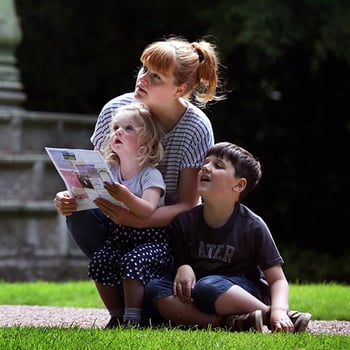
(205, 295)
(204, 286)
(156, 289)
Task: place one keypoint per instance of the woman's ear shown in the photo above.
(180, 90)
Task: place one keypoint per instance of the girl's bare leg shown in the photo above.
(133, 298)
(111, 296)
(133, 293)
(113, 299)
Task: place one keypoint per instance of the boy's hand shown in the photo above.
(184, 282)
(280, 321)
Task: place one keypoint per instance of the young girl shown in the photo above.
(131, 257)
(174, 75)
(228, 268)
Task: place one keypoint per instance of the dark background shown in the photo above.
(287, 68)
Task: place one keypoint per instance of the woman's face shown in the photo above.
(154, 89)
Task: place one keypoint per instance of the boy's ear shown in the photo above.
(241, 185)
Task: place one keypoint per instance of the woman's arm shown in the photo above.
(187, 198)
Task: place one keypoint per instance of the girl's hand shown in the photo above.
(65, 204)
(116, 190)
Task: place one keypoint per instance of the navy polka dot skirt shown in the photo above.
(134, 253)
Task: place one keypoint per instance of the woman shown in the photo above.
(174, 72)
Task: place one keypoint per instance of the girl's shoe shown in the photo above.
(114, 322)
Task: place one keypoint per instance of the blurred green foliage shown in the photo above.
(287, 68)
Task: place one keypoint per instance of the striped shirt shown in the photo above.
(185, 146)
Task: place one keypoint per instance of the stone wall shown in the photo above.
(34, 241)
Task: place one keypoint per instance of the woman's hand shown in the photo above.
(184, 282)
(65, 204)
(112, 211)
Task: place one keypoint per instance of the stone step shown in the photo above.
(33, 228)
(35, 243)
(24, 132)
(56, 269)
(28, 177)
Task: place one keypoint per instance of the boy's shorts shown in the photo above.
(206, 291)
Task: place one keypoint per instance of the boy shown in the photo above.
(228, 268)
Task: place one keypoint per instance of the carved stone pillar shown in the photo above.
(11, 95)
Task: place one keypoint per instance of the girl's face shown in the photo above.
(124, 136)
(153, 88)
(216, 178)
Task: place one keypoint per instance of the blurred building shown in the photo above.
(34, 241)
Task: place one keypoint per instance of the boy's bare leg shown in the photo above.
(235, 301)
(238, 301)
(179, 313)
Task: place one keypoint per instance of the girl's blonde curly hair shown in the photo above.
(149, 135)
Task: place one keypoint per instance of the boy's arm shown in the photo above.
(279, 289)
(185, 278)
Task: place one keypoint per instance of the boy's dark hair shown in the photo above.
(245, 164)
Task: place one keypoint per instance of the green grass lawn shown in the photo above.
(324, 301)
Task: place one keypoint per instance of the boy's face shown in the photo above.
(216, 177)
